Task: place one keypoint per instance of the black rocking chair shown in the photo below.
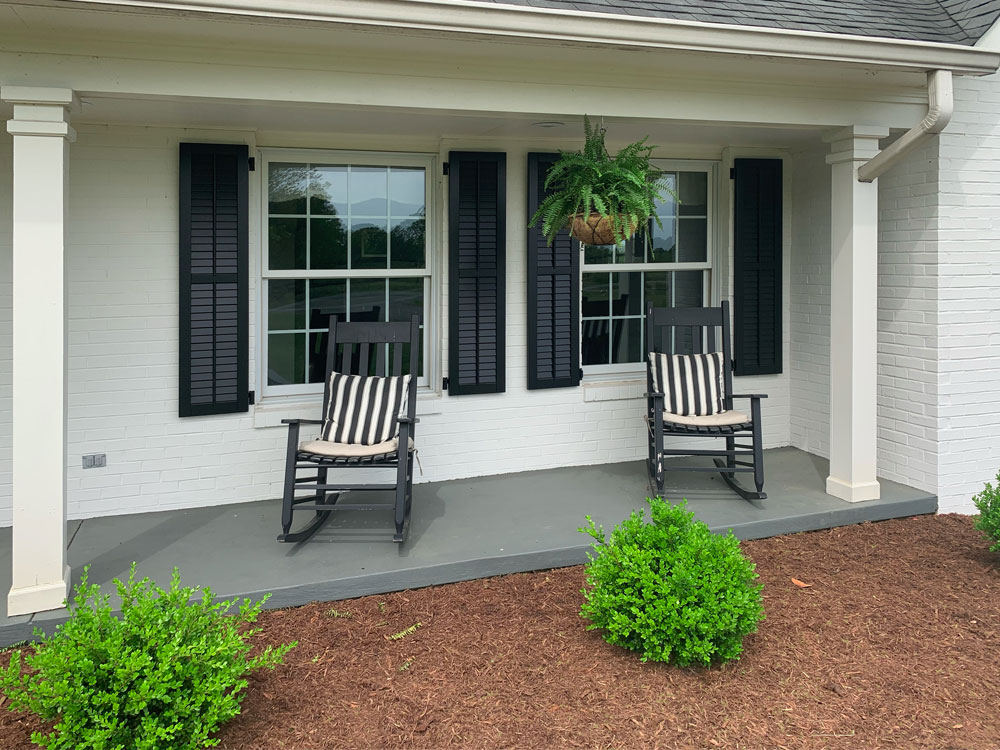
(361, 345)
(667, 330)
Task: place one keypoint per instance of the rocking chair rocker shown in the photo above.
(368, 423)
(691, 395)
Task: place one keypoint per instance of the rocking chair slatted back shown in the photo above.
(668, 329)
(359, 343)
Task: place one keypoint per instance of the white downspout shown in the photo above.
(941, 105)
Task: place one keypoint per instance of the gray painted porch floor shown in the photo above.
(460, 529)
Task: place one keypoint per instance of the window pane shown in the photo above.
(667, 207)
(626, 293)
(692, 240)
(317, 356)
(367, 300)
(286, 304)
(693, 192)
(595, 295)
(657, 288)
(368, 188)
(286, 244)
(594, 341)
(369, 244)
(663, 242)
(406, 192)
(328, 191)
(598, 253)
(328, 243)
(286, 188)
(689, 288)
(406, 299)
(632, 250)
(626, 345)
(407, 243)
(327, 297)
(286, 358)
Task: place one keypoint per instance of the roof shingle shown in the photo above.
(946, 21)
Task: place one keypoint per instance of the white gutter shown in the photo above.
(602, 29)
(940, 106)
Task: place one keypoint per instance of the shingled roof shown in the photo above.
(946, 21)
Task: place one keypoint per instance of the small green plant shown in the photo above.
(405, 632)
(164, 676)
(670, 589)
(625, 187)
(339, 615)
(988, 504)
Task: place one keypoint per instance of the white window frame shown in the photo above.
(430, 272)
(709, 265)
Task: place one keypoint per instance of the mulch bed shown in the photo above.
(895, 644)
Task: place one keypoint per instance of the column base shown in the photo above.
(39, 598)
(853, 493)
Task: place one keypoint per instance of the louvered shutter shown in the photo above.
(214, 350)
(476, 260)
(553, 294)
(757, 225)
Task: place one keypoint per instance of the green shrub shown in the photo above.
(988, 503)
(164, 676)
(670, 589)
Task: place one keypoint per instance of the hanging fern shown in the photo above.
(625, 188)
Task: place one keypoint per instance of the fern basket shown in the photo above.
(597, 229)
(601, 199)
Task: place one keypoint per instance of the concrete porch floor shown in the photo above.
(460, 529)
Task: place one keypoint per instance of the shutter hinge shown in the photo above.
(253, 164)
(251, 398)
(581, 373)
(444, 383)
(444, 170)
(732, 173)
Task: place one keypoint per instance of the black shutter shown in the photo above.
(476, 261)
(757, 230)
(553, 294)
(214, 350)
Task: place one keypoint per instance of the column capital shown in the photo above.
(40, 110)
(856, 143)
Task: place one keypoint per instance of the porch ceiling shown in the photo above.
(468, 528)
(279, 117)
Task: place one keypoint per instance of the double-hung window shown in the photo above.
(670, 266)
(343, 234)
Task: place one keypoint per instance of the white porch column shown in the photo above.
(42, 135)
(853, 323)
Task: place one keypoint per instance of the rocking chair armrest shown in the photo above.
(749, 395)
(407, 420)
(301, 421)
(655, 395)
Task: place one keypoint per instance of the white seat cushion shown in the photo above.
(722, 419)
(350, 450)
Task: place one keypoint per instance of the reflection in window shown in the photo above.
(328, 222)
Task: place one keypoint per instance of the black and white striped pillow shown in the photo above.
(691, 383)
(363, 409)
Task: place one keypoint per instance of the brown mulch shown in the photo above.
(894, 644)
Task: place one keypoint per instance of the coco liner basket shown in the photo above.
(598, 229)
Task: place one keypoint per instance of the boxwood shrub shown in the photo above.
(670, 589)
(988, 504)
(164, 676)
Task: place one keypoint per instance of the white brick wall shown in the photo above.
(907, 316)
(969, 294)
(809, 303)
(122, 266)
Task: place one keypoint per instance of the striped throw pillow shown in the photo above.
(692, 384)
(363, 409)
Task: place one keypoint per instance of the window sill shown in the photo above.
(613, 390)
(270, 411)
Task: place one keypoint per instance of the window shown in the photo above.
(344, 234)
(668, 267)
